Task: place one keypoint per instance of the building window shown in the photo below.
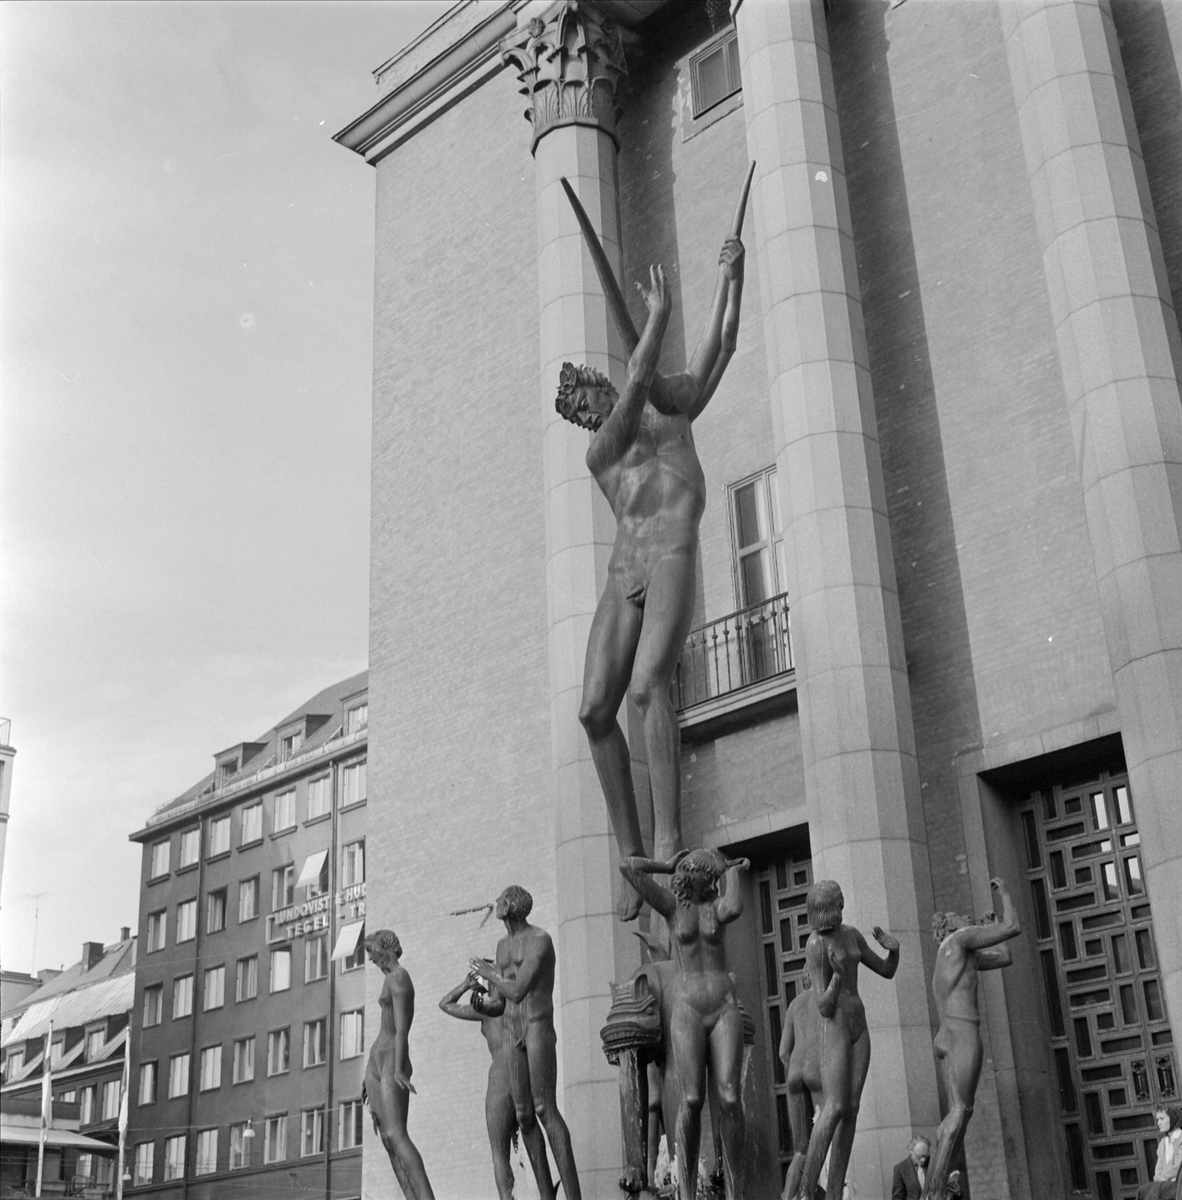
(319, 797)
(190, 847)
(182, 996)
(96, 1039)
(352, 1033)
(349, 1124)
(57, 1051)
(226, 771)
(174, 1157)
(207, 1152)
(252, 823)
(215, 911)
(355, 959)
(239, 1147)
(70, 1097)
(714, 73)
(285, 814)
(311, 1132)
(157, 927)
(145, 1154)
(315, 958)
(211, 1068)
(757, 534)
(86, 1106)
(248, 899)
(178, 1075)
(357, 718)
(282, 887)
(315, 874)
(281, 969)
(275, 1139)
(353, 863)
(215, 988)
(14, 1064)
(248, 979)
(277, 1051)
(315, 1039)
(158, 863)
(353, 789)
(186, 921)
(219, 836)
(289, 746)
(148, 1083)
(244, 1060)
(153, 1005)
(111, 1097)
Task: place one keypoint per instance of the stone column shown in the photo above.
(860, 769)
(568, 66)
(1119, 353)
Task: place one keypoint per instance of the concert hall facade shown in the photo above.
(938, 634)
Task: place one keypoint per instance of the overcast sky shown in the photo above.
(185, 357)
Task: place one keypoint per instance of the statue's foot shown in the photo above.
(630, 903)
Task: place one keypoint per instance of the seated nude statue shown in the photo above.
(834, 949)
(966, 948)
(705, 1019)
(387, 1086)
(524, 975)
(500, 1110)
(643, 458)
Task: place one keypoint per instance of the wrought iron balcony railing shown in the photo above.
(733, 652)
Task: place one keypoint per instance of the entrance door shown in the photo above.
(1111, 1042)
(782, 886)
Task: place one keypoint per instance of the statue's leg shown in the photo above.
(396, 1103)
(688, 1039)
(501, 1121)
(835, 1083)
(542, 1057)
(961, 1068)
(527, 1120)
(656, 1087)
(726, 1057)
(611, 647)
(668, 614)
(800, 1117)
(843, 1135)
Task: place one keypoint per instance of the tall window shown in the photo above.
(111, 1097)
(353, 863)
(357, 717)
(317, 884)
(714, 73)
(353, 789)
(211, 1068)
(275, 1139)
(314, 1042)
(215, 988)
(219, 836)
(144, 1161)
(319, 797)
(281, 969)
(252, 823)
(153, 1005)
(190, 847)
(96, 1039)
(178, 1075)
(239, 1147)
(158, 863)
(186, 921)
(311, 1132)
(277, 1051)
(207, 1152)
(352, 1033)
(57, 1051)
(758, 538)
(157, 930)
(14, 1064)
(86, 1105)
(282, 887)
(248, 899)
(290, 745)
(315, 957)
(215, 911)
(349, 1124)
(285, 814)
(355, 959)
(244, 1060)
(148, 1082)
(182, 996)
(248, 978)
(174, 1157)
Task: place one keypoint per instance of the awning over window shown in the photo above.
(313, 865)
(347, 940)
(30, 1135)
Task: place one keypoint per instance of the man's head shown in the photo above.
(944, 923)
(696, 878)
(825, 904)
(384, 948)
(585, 396)
(514, 904)
(921, 1151)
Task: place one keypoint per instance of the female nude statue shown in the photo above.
(844, 1040)
(387, 1077)
(705, 1019)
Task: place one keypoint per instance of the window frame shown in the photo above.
(111, 1096)
(186, 920)
(239, 1147)
(352, 1111)
(216, 904)
(219, 836)
(288, 797)
(172, 1168)
(189, 852)
(359, 1041)
(312, 1146)
(248, 812)
(183, 986)
(321, 789)
(215, 977)
(316, 1040)
(251, 887)
(143, 1163)
(318, 940)
(153, 991)
(243, 1057)
(278, 1124)
(179, 1081)
(719, 43)
(251, 963)
(277, 955)
(282, 887)
(158, 870)
(209, 1062)
(149, 1074)
(772, 544)
(355, 769)
(210, 1165)
(278, 1045)
(156, 938)
(349, 863)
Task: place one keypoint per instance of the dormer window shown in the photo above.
(226, 771)
(357, 717)
(289, 744)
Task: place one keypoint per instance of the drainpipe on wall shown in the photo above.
(332, 985)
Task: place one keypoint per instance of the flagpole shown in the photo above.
(124, 1105)
(46, 1105)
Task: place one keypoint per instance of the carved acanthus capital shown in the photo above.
(570, 65)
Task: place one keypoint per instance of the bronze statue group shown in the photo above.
(681, 1030)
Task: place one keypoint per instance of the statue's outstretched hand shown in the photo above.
(481, 967)
(731, 257)
(887, 941)
(657, 299)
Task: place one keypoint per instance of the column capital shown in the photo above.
(570, 63)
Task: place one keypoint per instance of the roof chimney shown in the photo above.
(125, 933)
(92, 953)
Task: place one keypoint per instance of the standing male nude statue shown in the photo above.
(524, 975)
(642, 456)
(966, 948)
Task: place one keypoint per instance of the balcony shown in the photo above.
(735, 669)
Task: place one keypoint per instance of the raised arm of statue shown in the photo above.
(450, 1003)
(979, 937)
(886, 967)
(638, 872)
(730, 906)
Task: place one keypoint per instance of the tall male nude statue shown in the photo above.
(524, 975)
(966, 948)
(643, 458)
(500, 1109)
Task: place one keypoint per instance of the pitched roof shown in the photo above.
(79, 1007)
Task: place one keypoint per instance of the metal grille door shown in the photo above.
(1111, 1042)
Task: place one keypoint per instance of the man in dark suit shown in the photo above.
(908, 1181)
